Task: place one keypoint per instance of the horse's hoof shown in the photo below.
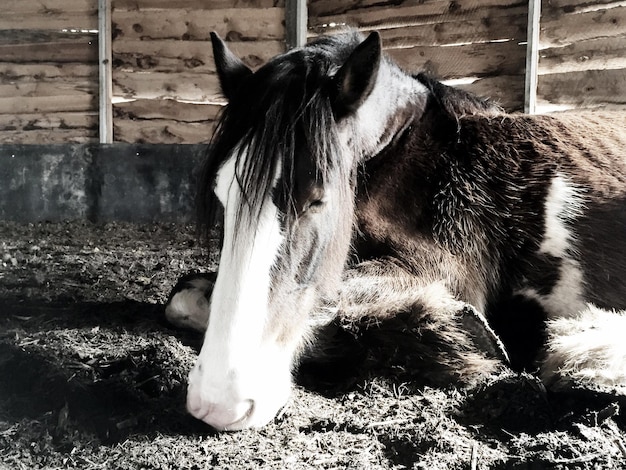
(188, 304)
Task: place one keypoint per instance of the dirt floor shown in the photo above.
(91, 376)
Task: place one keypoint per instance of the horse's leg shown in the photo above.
(188, 303)
(451, 332)
(587, 350)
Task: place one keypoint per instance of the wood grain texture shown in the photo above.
(48, 104)
(59, 87)
(591, 54)
(49, 7)
(320, 9)
(31, 122)
(434, 12)
(194, 4)
(167, 109)
(162, 131)
(234, 24)
(184, 86)
(554, 8)
(50, 20)
(174, 56)
(507, 90)
(52, 16)
(11, 72)
(49, 136)
(57, 48)
(585, 88)
(474, 60)
(571, 28)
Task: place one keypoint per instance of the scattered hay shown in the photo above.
(92, 377)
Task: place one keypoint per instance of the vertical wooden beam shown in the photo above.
(296, 20)
(104, 60)
(532, 56)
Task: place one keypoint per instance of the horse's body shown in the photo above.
(386, 194)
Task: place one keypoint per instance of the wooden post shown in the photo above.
(532, 56)
(295, 23)
(104, 61)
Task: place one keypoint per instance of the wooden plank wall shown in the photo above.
(48, 71)
(479, 44)
(582, 61)
(163, 64)
(165, 84)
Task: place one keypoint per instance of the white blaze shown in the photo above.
(235, 368)
(241, 291)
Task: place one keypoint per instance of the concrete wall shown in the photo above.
(118, 182)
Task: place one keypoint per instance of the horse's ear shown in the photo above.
(231, 71)
(356, 78)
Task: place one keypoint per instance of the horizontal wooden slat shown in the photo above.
(49, 7)
(232, 23)
(508, 91)
(28, 73)
(426, 13)
(459, 32)
(194, 4)
(185, 86)
(50, 15)
(584, 88)
(337, 8)
(473, 60)
(30, 36)
(571, 28)
(51, 136)
(166, 109)
(544, 107)
(594, 54)
(81, 51)
(53, 21)
(161, 131)
(47, 104)
(29, 122)
(552, 8)
(169, 55)
(54, 88)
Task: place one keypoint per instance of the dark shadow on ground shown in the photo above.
(136, 381)
(51, 367)
(36, 314)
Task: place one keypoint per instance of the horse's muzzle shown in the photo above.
(222, 416)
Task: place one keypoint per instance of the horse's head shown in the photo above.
(282, 167)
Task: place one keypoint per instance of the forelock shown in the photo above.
(285, 101)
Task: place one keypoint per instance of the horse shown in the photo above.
(348, 187)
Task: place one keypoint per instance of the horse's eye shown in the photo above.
(315, 205)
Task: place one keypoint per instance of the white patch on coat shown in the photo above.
(563, 205)
(588, 350)
(566, 298)
(238, 380)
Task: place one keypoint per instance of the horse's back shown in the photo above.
(596, 148)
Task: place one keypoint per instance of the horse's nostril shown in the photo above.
(223, 416)
(250, 410)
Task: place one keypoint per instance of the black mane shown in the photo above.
(285, 105)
